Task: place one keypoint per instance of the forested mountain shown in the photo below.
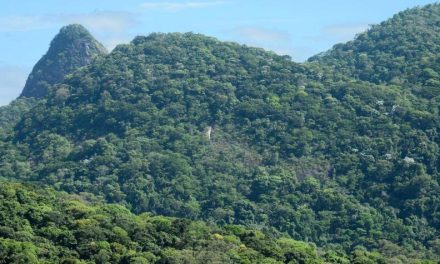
(404, 51)
(184, 125)
(72, 47)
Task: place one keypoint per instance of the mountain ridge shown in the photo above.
(71, 48)
(390, 51)
(311, 151)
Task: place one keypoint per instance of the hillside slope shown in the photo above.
(72, 48)
(185, 125)
(10, 114)
(403, 50)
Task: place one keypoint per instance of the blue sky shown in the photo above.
(297, 28)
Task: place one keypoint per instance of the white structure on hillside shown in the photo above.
(208, 131)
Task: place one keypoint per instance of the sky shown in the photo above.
(299, 28)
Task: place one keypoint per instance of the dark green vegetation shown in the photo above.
(187, 126)
(402, 51)
(43, 226)
(73, 47)
(12, 113)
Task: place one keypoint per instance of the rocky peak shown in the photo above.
(72, 47)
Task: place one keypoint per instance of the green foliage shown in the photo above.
(403, 50)
(12, 113)
(187, 126)
(39, 225)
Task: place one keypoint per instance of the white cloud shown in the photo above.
(345, 32)
(103, 21)
(22, 23)
(12, 82)
(110, 21)
(175, 6)
(270, 39)
(110, 42)
(258, 34)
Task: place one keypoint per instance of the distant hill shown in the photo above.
(72, 48)
(187, 126)
(404, 51)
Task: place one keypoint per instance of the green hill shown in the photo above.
(403, 51)
(187, 126)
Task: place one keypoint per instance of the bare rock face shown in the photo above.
(72, 47)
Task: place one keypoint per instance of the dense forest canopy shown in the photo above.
(341, 151)
(403, 51)
(43, 226)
